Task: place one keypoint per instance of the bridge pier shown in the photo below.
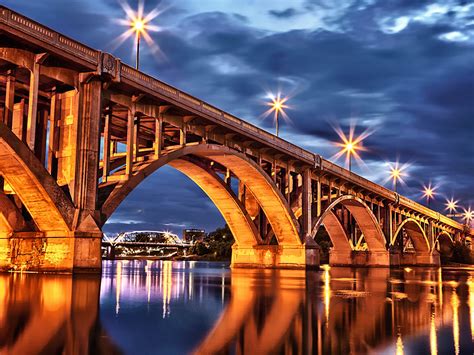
(276, 257)
(400, 259)
(354, 258)
(35, 251)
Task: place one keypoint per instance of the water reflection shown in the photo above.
(50, 314)
(167, 307)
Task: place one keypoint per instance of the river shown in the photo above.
(165, 307)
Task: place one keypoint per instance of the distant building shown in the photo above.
(193, 235)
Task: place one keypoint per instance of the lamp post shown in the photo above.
(429, 193)
(350, 145)
(395, 174)
(138, 26)
(277, 105)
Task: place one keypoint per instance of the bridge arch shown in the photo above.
(415, 232)
(47, 204)
(275, 207)
(444, 243)
(364, 217)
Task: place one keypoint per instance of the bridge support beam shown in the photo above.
(276, 256)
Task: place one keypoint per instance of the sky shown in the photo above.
(402, 69)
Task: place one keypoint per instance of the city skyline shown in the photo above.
(403, 72)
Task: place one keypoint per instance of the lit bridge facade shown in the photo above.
(80, 130)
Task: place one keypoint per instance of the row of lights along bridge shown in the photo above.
(350, 146)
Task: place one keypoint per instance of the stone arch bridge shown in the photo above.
(79, 130)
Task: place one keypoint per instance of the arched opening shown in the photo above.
(353, 230)
(364, 218)
(410, 237)
(268, 196)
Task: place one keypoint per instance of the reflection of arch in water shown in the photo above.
(239, 320)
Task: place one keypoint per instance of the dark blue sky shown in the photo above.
(403, 68)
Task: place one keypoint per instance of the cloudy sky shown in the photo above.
(403, 69)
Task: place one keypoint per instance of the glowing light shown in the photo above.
(451, 205)
(468, 215)
(350, 145)
(167, 282)
(397, 173)
(277, 105)
(455, 305)
(429, 192)
(327, 291)
(470, 282)
(118, 287)
(433, 336)
(139, 25)
(399, 345)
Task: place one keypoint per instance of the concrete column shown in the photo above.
(90, 105)
(182, 135)
(158, 144)
(330, 193)
(18, 120)
(130, 136)
(106, 148)
(136, 132)
(306, 203)
(9, 98)
(288, 185)
(53, 144)
(318, 198)
(32, 106)
(274, 171)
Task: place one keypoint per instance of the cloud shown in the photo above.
(283, 14)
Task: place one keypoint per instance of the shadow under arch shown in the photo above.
(269, 197)
(416, 234)
(364, 217)
(48, 205)
(444, 243)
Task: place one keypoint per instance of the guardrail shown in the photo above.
(140, 79)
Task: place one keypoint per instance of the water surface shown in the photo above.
(164, 307)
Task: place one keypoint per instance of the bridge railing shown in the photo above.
(49, 36)
(141, 80)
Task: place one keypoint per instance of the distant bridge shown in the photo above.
(146, 239)
(65, 105)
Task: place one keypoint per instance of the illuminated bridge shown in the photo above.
(67, 108)
(143, 243)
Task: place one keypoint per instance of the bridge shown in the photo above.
(80, 130)
(138, 242)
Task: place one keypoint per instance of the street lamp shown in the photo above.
(451, 205)
(468, 215)
(429, 193)
(277, 105)
(138, 25)
(397, 173)
(350, 145)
